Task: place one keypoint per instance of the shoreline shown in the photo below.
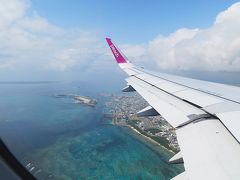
(144, 136)
(151, 140)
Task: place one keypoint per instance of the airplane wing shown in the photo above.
(205, 115)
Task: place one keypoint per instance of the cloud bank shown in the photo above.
(31, 43)
(216, 48)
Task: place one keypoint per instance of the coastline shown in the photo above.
(149, 139)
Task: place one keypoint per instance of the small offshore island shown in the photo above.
(122, 110)
(85, 100)
(79, 99)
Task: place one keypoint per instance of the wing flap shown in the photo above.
(209, 151)
(232, 121)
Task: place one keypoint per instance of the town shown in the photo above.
(123, 108)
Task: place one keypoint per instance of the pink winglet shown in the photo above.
(118, 56)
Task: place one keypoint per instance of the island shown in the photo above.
(78, 99)
(85, 100)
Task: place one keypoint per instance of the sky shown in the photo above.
(64, 40)
(134, 21)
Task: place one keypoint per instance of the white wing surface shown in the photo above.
(205, 115)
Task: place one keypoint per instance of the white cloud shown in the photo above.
(11, 11)
(65, 60)
(215, 48)
(30, 41)
(135, 53)
(36, 23)
(163, 49)
(134, 50)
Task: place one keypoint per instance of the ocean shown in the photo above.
(56, 138)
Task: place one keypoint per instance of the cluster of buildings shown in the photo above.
(123, 109)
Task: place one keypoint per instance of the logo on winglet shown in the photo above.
(114, 50)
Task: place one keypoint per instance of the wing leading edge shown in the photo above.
(204, 114)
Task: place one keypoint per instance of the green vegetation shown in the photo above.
(161, 140)
(153, 131)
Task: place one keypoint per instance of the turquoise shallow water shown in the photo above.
(63, 140)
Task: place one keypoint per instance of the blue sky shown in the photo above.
(131, 21)
(64, 40)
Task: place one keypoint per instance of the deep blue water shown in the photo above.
(64, 140)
